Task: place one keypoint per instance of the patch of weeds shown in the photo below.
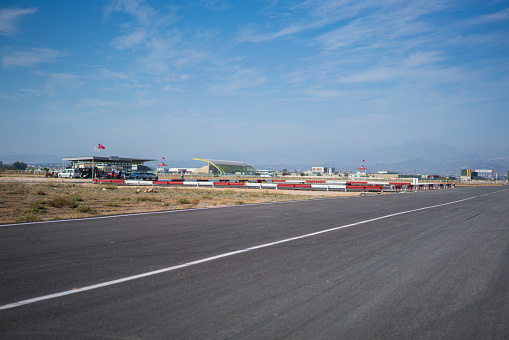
(40, 193)
(111, 204)
(62, 201)
(147, 198)
(28, 218)
(19, 191)
(239, 202)
(36, 208)
(183, 200)
(86, 209)
(167, 204)
(125, 199)
(110, 187)
(50, 185)
(77, 198)
(195, 201)
(207, 197)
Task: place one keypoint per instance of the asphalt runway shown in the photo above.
(426, 265)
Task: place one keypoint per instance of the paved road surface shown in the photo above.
(416, 265)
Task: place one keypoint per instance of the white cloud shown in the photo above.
(130, 40)
(325, 94)
(32, 57)
(240, 79)
(9, 18)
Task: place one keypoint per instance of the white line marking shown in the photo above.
(208, 259)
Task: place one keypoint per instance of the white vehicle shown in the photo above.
(69, 173)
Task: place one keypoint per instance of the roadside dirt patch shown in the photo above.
(40, 199)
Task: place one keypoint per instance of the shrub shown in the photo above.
(40, 193)
(239, 202)
(195, 201)
(78, 198)
(183, 200)
(28, 218)
(86, 209)
(125, 199)
(148, 198)
(62, 201)
(111, 204)
(36, 208)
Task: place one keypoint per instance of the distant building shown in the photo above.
(107, 163)
(182, 170)
(323, 170)
(215, 166)
(468, 174)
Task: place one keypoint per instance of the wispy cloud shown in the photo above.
(239, 79)
(9, 19)
(32, 57)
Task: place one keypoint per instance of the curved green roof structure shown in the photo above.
(227, 167)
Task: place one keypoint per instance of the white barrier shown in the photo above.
(253, 185)
(137, 182)
(328, 187)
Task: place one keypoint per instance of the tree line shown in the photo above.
(14, 166)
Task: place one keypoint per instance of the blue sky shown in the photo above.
(184, 79)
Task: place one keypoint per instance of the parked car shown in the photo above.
(69, 173)
(144, 176)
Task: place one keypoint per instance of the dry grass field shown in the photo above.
(23, 200)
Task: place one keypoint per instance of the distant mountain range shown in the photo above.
(414, 157)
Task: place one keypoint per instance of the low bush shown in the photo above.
(62, 201)
(86, 209)
(28, 218)
(183, 200)
(111, 204)
(147, 198)
(36, 208)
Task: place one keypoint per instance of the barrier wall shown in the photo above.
(354, 186)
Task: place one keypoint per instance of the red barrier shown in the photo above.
(355, 187)
(302, 186)
(236, 185)
(118, 181)
(168, 183)
(224, 184)
(285, 185)
(313, 181)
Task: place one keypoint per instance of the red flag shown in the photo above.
(101, 147)
(363, 160)
(163, 157)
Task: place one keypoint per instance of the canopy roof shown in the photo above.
(228, 167)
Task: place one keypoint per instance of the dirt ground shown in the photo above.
(25, 198)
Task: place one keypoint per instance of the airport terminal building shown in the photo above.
(106, 163)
